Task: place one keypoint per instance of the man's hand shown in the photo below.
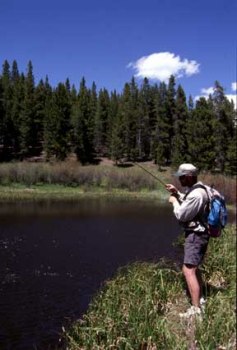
(172, 199)
(171, 188)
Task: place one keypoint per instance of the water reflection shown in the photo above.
(55, 255)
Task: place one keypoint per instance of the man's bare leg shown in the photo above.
(200, 281)
(190, 274)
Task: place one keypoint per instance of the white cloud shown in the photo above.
(205, 92)
(232, 98)
(208, 91)
(234, 86)
(161, 65)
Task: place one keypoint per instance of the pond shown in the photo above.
(54, 257)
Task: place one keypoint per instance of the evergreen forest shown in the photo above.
(144, 122)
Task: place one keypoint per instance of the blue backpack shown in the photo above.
(216, 212)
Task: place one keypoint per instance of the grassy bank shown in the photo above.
(21, 192)
(139, 308)
(69, 180)
(24, 180)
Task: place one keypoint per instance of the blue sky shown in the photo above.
(109, 41)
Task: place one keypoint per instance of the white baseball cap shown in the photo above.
(186, 169)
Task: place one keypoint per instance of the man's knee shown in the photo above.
(189, 269)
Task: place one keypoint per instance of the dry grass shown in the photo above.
(225, 184)
(105, 175)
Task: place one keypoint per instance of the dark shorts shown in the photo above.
(195, 248)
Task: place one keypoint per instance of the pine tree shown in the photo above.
(133, 122)
(130, 119)
(154, 91)
(68, 86)
(73, 94)
(102, 123)
(200, 134)
(83, 142)
(170, 115)
(57, 124)
(231, 156)
(18, 94)
(7, 125)
(117, 145)
(73, 101)
(190, 103)
(231, 153)
(223, 124)
(93, 101)
(161, 143)
(43, 93)
(146, 119)
(179, 142)
(48, 123)
(116, 140)
(113, 111)
(27, 123)
(2, 115)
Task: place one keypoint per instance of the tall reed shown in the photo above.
(139, 308)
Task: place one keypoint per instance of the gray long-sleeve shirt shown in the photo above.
(190, 207)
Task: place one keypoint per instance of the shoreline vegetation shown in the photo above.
(139, 308)
(70, 180)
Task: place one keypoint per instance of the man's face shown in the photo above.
(187, 180)
(183, 180)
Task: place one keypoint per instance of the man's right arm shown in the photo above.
(173, 190)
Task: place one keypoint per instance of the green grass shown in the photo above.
(139, 308)
(18, 192)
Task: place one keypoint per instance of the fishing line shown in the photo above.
(155, 177)
(176, 195)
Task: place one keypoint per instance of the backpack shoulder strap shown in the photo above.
(194, 188)
(199, 216)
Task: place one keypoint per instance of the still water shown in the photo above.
(54, 256)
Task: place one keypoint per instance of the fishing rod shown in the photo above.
(155, 177)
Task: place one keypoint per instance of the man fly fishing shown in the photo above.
(189, 209)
